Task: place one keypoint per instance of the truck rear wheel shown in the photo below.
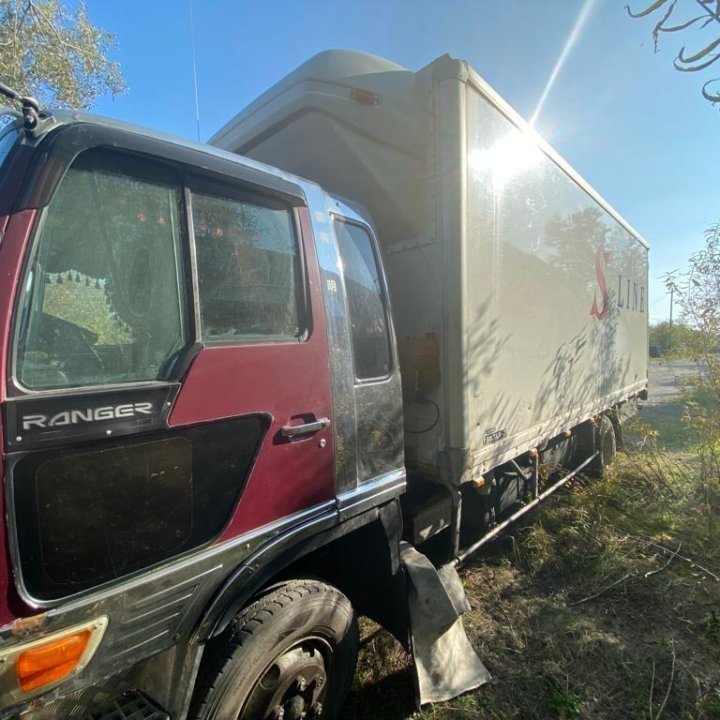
(606, 445)
(289, 655)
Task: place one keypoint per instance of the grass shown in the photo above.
(604, 604)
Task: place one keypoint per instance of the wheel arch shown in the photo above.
(356, 556)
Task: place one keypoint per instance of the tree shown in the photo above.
(55, 53)
(667, 339)
(703, 16)
(700, 302)
(700, 306)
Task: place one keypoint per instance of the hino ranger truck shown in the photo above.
(253, 390)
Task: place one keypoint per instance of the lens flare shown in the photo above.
(570, 43)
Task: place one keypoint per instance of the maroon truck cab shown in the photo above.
(201, 418)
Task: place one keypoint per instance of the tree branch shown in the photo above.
(715, 15)
(62, 40)
(643, 13)
(694, 61)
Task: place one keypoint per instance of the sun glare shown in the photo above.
(508, 157)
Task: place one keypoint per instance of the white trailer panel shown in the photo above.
(519, 296)
(556, 293)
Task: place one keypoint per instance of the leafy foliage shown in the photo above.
(703, 16)
(675, 339)
(701, 301)
(698, 291)
(55, 53)
(561, 703)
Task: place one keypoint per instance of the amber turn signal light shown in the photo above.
(52, 661)
(33, 666)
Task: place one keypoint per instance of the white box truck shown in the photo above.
(519, 295)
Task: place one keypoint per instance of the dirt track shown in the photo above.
(664, 407)
(667, 378)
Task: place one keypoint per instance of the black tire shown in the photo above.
(294, 648)
(606, 445)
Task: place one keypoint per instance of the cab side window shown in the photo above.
(104, 298)
(248, 269)
(366, 301)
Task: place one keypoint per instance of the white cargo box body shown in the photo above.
(519, 296)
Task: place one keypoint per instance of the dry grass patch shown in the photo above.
(605, 604)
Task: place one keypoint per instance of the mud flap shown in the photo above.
(445, 663)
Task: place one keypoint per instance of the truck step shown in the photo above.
(131, 705)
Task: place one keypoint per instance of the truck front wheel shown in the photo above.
(291, 654)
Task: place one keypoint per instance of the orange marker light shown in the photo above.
(364, 97)
(45, 664)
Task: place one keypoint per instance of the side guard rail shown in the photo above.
(469, 551)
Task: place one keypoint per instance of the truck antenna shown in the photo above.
(195, 82)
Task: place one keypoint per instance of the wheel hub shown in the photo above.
(292, 687)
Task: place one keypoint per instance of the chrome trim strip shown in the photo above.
(168, 604)
(192, 255)
(372, 493)
(344, 409)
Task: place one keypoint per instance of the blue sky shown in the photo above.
(635, 128)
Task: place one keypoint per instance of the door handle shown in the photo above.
(291, 431)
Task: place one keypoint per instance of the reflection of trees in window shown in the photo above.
(84, 299)
(365, 300)
(226, 233)
(247, 268)
(218, 218)
(105, 288)
(117, 231)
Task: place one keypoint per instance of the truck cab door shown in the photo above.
(168, 384)
(367, 396)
